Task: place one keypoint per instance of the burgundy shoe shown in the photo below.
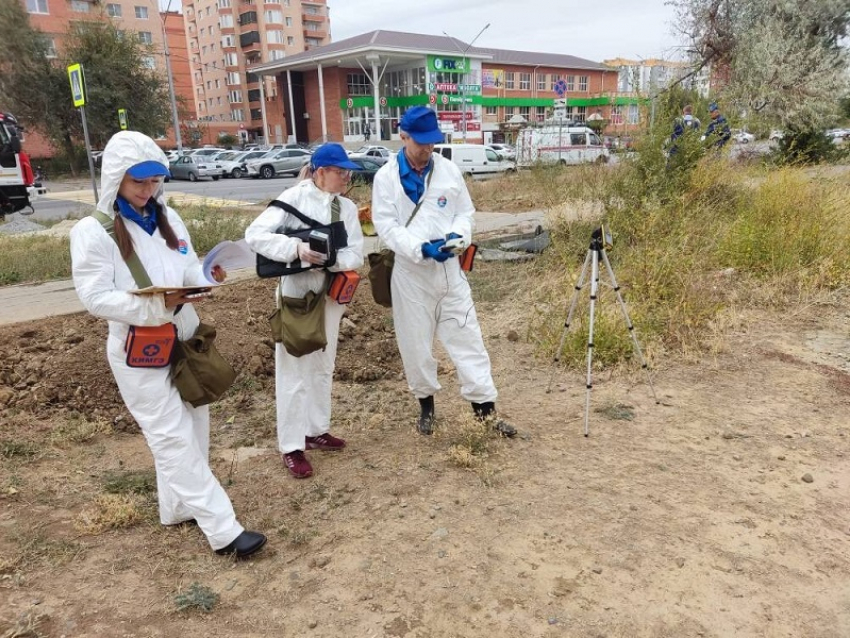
(298, 464)
(325, 441)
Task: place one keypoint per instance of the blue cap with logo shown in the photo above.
(149, 168)
(420, 123)
(331, 155)
(713, 107)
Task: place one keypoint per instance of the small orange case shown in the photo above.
(343, 285)
(467, 257)
(150, 346)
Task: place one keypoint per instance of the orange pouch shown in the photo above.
(150, 346)
(343, 286)
(467, 257)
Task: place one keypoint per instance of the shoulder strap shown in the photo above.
(138, 271)
(312, 223)
(422, 199)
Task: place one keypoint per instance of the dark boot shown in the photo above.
(426, 417)
(487, 412)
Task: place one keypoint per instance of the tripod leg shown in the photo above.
(628, 323)
(594, 288)
(568, 322)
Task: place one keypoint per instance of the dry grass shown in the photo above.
(113, 511)
(78, 429)
(27, 625)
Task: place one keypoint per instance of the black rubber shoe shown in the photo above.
(425, 424)
(487, 413)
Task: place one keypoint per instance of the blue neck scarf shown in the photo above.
(128, 212)
(412, 182)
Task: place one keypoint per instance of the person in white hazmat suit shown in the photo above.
(303, 384)
(430, 293)
(177, 434)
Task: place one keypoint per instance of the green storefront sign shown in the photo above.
(446, 64)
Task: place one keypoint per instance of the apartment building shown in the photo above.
(647, 77)
(224, 39)
(53, 17)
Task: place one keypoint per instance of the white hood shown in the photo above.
(125, 149)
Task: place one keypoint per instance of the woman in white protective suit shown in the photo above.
(419, 204)
(303, 384)
(131, 194)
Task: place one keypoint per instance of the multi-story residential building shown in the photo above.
(225, 38)
(648, 77)
(334, 91)
(53, 18)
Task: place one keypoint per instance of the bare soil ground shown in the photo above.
(721, 512)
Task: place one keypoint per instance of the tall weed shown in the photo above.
(682, 245)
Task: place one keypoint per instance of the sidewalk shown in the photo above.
(28, 302)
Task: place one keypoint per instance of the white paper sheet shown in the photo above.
(230, 255)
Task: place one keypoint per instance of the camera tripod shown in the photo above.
(598, 240)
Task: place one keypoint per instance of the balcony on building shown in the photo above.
(249, 17)
(250, 41)
(254, 95)
(256, 114)
(310, 31)
(252, 78)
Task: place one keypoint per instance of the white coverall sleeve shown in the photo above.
(350, 257)
(263, 239)
(93, 263)
(388, 207)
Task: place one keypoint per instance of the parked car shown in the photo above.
(475, 158)
(365, 174)
(192, 168)
(505, 150)
(379, 154)
(289, 160)
(231, 163)
(743, 137)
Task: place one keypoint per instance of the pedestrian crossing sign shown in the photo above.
(78, 84)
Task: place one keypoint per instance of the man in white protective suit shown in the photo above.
(422, 210)
(177, 434)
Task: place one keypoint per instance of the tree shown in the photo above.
(779, 61)
(35, 87)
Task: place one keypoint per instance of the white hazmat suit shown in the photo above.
(432, 298)
(177, 433)
(303, 384)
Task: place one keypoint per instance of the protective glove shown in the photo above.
(431, 249)
(452, 236)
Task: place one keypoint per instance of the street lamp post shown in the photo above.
(463, 53)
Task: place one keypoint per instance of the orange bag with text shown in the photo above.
(150, 346)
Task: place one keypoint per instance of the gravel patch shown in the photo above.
(18, 226)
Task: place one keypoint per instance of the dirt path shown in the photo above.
(721, 512)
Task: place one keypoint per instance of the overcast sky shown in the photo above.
(594, 31)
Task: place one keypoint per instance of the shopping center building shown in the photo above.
(360, 86)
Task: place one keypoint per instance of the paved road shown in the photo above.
(74, 198)
(29, 302)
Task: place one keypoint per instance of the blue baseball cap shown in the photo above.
(331, 155)
(149, 168)
(420, 123)
(713, 107)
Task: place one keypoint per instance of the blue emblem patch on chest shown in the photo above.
(183, 246)
(442, 201)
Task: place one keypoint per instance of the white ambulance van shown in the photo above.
(474, 158)
(559, 144)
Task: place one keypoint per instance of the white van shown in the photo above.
(559, 144)
(475, 158)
